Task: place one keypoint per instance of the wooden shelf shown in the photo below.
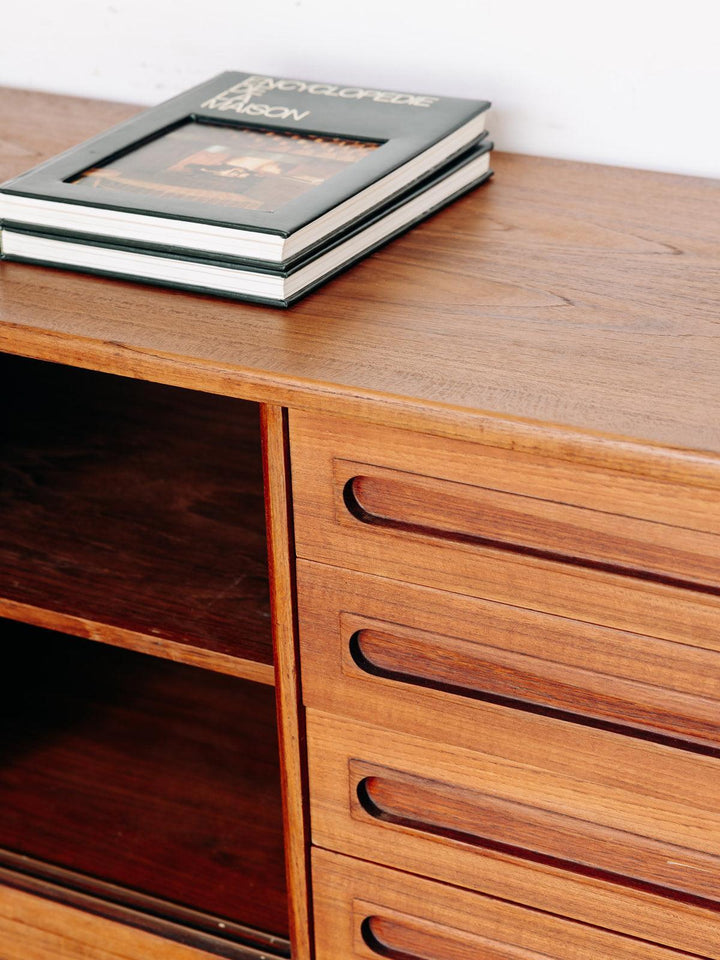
(155, 777)
(133, 513)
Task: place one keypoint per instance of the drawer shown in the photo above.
(367, 911)
(565, 802)
(629, 552)
(423, 660)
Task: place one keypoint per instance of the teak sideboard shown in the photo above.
(385, 626)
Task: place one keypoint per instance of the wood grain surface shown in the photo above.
(560, 305)
(585, 799)
(576, 822)
(133, 513)
(154, 776)
(366, 911)
(563, 319)
(554, 582)
(430, 655)
(187, 928)
(537, 526)
(33, 928)
(290, 712)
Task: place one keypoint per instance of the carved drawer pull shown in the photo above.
(408, 940)
(475, 671)
(463, 513)
(534, 832)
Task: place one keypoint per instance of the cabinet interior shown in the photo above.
(135, 768)
(135, 512)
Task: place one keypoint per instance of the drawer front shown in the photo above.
(374, 648)
(367, 911)
(534, 791)
(626, 552)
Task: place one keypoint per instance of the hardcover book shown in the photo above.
(244, 279)
(245, 167)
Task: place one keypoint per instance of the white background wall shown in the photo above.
(631, 82)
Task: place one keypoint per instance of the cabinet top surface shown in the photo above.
(562, 303)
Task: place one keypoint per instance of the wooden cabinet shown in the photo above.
(388, 625)
(536, 712)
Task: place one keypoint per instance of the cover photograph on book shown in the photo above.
(225, 166)
(249, 167)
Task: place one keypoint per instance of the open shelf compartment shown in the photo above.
(133, 513)
(145, 782)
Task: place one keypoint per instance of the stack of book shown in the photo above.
(247, 186)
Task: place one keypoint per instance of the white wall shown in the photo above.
(631, 82)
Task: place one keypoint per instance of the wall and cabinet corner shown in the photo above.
(385, 626)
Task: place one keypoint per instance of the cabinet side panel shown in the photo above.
(291, 725)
